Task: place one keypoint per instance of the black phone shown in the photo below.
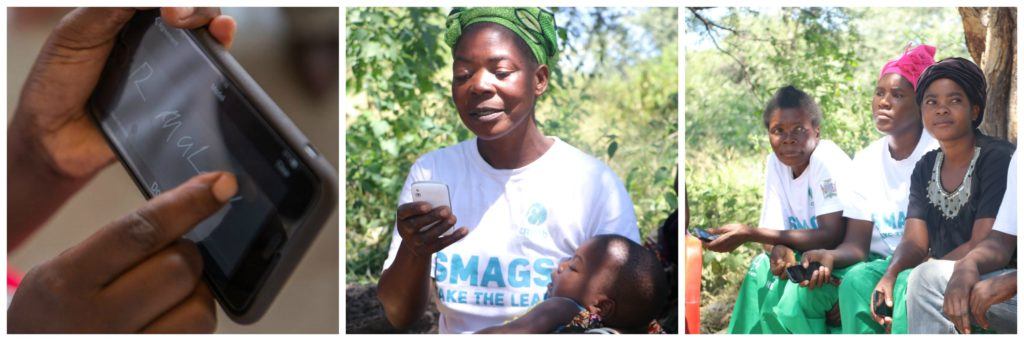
(173, 103)
(704, 235)
(881, 309)
(798, 273)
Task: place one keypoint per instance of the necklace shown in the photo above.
(950, 203)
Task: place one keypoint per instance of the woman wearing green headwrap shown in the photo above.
(523, 200)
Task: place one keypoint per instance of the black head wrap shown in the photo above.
(965, 73)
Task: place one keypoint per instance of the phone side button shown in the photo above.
(310, 150)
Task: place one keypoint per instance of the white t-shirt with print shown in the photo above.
(795, 204)
(1006, 219)
(522, 223)
(880, 190)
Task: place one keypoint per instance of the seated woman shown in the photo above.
(952, 297)
(524, 200)
(955, 190)
(610, 283)
(877, 209)
(801, 211)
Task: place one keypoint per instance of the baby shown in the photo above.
(610, 282)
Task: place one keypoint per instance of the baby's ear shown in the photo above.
(605, 307)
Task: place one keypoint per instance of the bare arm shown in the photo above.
(827, 235)
(853, 249)
(993, 253)
(543, 318)
(913, 248)
(404, 287)
(31, 174)
(855, 245)
(981, 229)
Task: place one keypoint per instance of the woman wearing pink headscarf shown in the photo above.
(877, 211)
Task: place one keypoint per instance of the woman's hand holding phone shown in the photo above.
(883, 295)
(414, 216)
(135, 274)
(52, 110)
(54, 147)
(823, 274)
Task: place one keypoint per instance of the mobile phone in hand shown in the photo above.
(173, 103)
(796, 273)
(434, 193)
(881, 309)
(704, 235)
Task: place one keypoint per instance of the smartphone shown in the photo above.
(881, 309)
(704, 235)
(434, 193)
(796, 273)
(173, 103)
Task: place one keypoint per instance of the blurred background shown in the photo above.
(736, 58)
(293, 55)
(613, 95)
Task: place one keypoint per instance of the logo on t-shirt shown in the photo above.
(536, 214)
(828, 188)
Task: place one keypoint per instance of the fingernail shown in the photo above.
(225, 187)
(185, 12)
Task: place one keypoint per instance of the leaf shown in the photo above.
(612, 147)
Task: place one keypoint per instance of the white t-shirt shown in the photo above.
(880, 190)
(795, 204)
(522, 223)
(1006, 219)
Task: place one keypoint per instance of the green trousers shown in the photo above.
(758, 294)
(855, 298)
(767, 305)
(803, 311)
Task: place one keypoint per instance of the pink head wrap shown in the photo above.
(911, 64)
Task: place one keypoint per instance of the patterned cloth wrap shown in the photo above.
(534, 25)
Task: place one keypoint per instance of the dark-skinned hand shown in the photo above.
(989, 292)
(821, 276)
(885, 286)
(730, 237)
(956, 305)
(414, 216)
(134, 275)
(51, 115)
(781, 258)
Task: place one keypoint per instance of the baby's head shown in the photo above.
(616, 278)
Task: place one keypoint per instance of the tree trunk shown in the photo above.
(991, 36)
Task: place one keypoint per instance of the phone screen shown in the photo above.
(172, 114)
(705, 235)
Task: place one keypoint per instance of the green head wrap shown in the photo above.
(534, 25)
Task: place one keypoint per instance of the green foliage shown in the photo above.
(613, 100)
(737, 58)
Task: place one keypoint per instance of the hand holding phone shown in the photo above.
(134, 275)
(172, 103)
(798, 273)
(881, 309)
(704, 235)
(434, 193)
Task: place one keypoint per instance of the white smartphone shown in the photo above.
(434, 193)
